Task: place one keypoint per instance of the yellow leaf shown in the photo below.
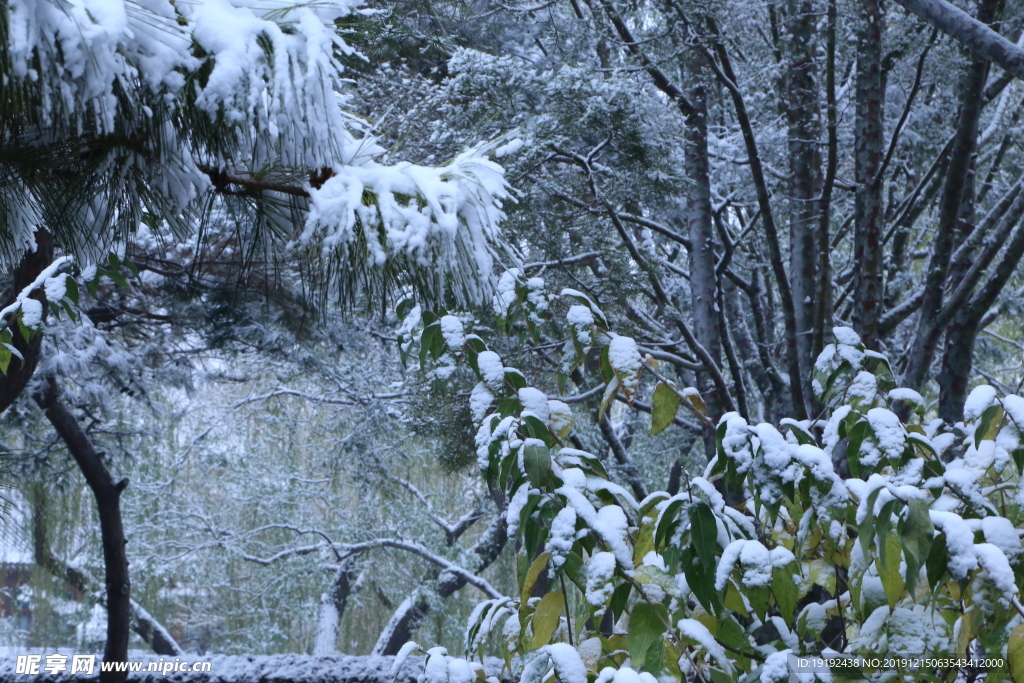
(547, 617)
(531, 577)
(1015, 653)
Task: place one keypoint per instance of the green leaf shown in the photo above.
(646, 627)
(113, 275)
(26, 331)
(5, 358)
(786, 593)
(865, 531)
(989, 427)
(610, 392)
(801, 435)
(1018, 459)
(620, 598)
(733, 601)
(72, 289)
(665, 522)
(114, 261)
(1015, 652)
(537, 460)
(546, 618)
(704, 534)
(857, 434)
(883, 525)
(916, 538)
(889, 569)
(573, 568)
(403, 308)
(606, 367)
(938, 559)
(530, 580)
(702, 583)
(133, 268)
(664, 405)
(644, 542)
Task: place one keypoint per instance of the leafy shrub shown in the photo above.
(855, 533)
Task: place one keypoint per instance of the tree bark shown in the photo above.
(962, 332)
(972, 33)
(333, 604)
(805, 184)
(703, 284)
(964, 146)
(823, 312)
(869, 144)
(108, 503)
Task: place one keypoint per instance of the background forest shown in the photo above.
(724, 182)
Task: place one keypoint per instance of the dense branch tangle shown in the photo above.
(849, 255)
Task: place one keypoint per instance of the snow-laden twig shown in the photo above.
(25, 293)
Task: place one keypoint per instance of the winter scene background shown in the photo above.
(549, 341)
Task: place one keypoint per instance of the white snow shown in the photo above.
(1001, 533)
(568, 664)
(1014, 407)
(491, 369)
(846, 336)
(480, 401)
(624, 357)
(776, 667)
(510, 147)
(959, 542)
(561, 536)
(536, 402)
(505, 291)
(691, 628)
(600, 569)
(998, 569)
(453, 333)
(980, 398)
(889, 434)
(31, 313)
(908, 395)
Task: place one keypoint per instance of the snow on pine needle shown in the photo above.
(243, 97)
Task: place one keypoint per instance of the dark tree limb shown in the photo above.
(108, 503)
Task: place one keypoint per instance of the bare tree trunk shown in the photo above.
(964, 147)
(805, 184)
(108, 503)
(332, 606)
(962, 332)
(869, 144)
(823, 313)
(703, 285)
(20, 372)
